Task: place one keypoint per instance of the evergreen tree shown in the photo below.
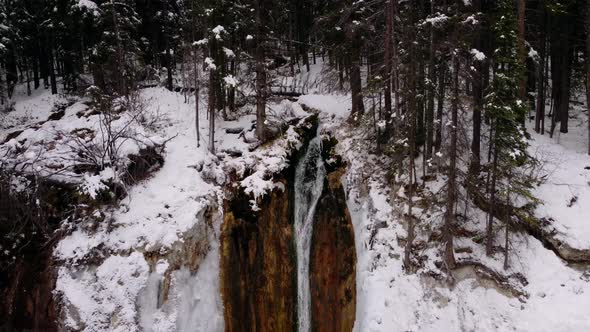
(505, 112)
(116, 58)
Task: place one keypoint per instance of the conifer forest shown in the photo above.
(294, 165)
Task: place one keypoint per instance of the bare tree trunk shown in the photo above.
(522, 49)
(358, 107)
(120, 54)
(395, 80)
(197, 92)
(212, 105)
(410, 97)
(588, 68)
(387, 77)
(52, 77)
(169, 84)
(546, 87)
(492, 205)
(540, 110)
(431, 94)
(439, 109)
(354, 59)
(27, 75)
(477, 105)
(449, 255)
(260, 75)
(507, 230)
(4, 98)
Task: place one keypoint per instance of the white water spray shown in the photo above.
(309, 183)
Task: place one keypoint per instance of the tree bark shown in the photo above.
(588, 68)
(478, 100)
(121, 85)
(211, 101)
(489, 226)
(260, 74)
(522, 50)
(429, 116)
(449, 255)
(52, 77)
(387, 60)
(540, 109)
(440, 106)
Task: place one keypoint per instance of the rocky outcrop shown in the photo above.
(27, 275)
(258, 258)
(333, 260)
(258, 265)
(27, 301)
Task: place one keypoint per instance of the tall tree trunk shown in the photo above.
(197, 92)
(410, 98)
(212, 95)
(588, 68)
(540, 109)
(565, 95)
(561, 69)
(449, 255)
(477, 104)
(387, 60)
(36, 70)
(353, 43)
(121, 84)
(27, 76)
(169, 84)
(522, 50)
(440, 107)
(52, 72)
(507, 230)
(195, 59)
(412, 140)
(492, 204)
(260, 74)
(211, 101)
(431, 93)
(231, 98)
(4, 99)
(358, 107)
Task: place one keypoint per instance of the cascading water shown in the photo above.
(309, 183)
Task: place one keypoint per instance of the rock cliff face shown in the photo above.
(333, 261)
(27, 301)
(26, 284)
(258, 260)
(257, 264)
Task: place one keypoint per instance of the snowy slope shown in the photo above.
(566, 190)
(163, 237)
(157, 217)
(556, 296)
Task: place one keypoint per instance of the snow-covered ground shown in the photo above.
(150, 263)
(566, 190)
(555, 297)
(156, 217)
(28, 109)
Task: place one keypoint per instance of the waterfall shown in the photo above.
(309, 182)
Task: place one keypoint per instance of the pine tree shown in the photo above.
(116, 56)
(505, 112)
